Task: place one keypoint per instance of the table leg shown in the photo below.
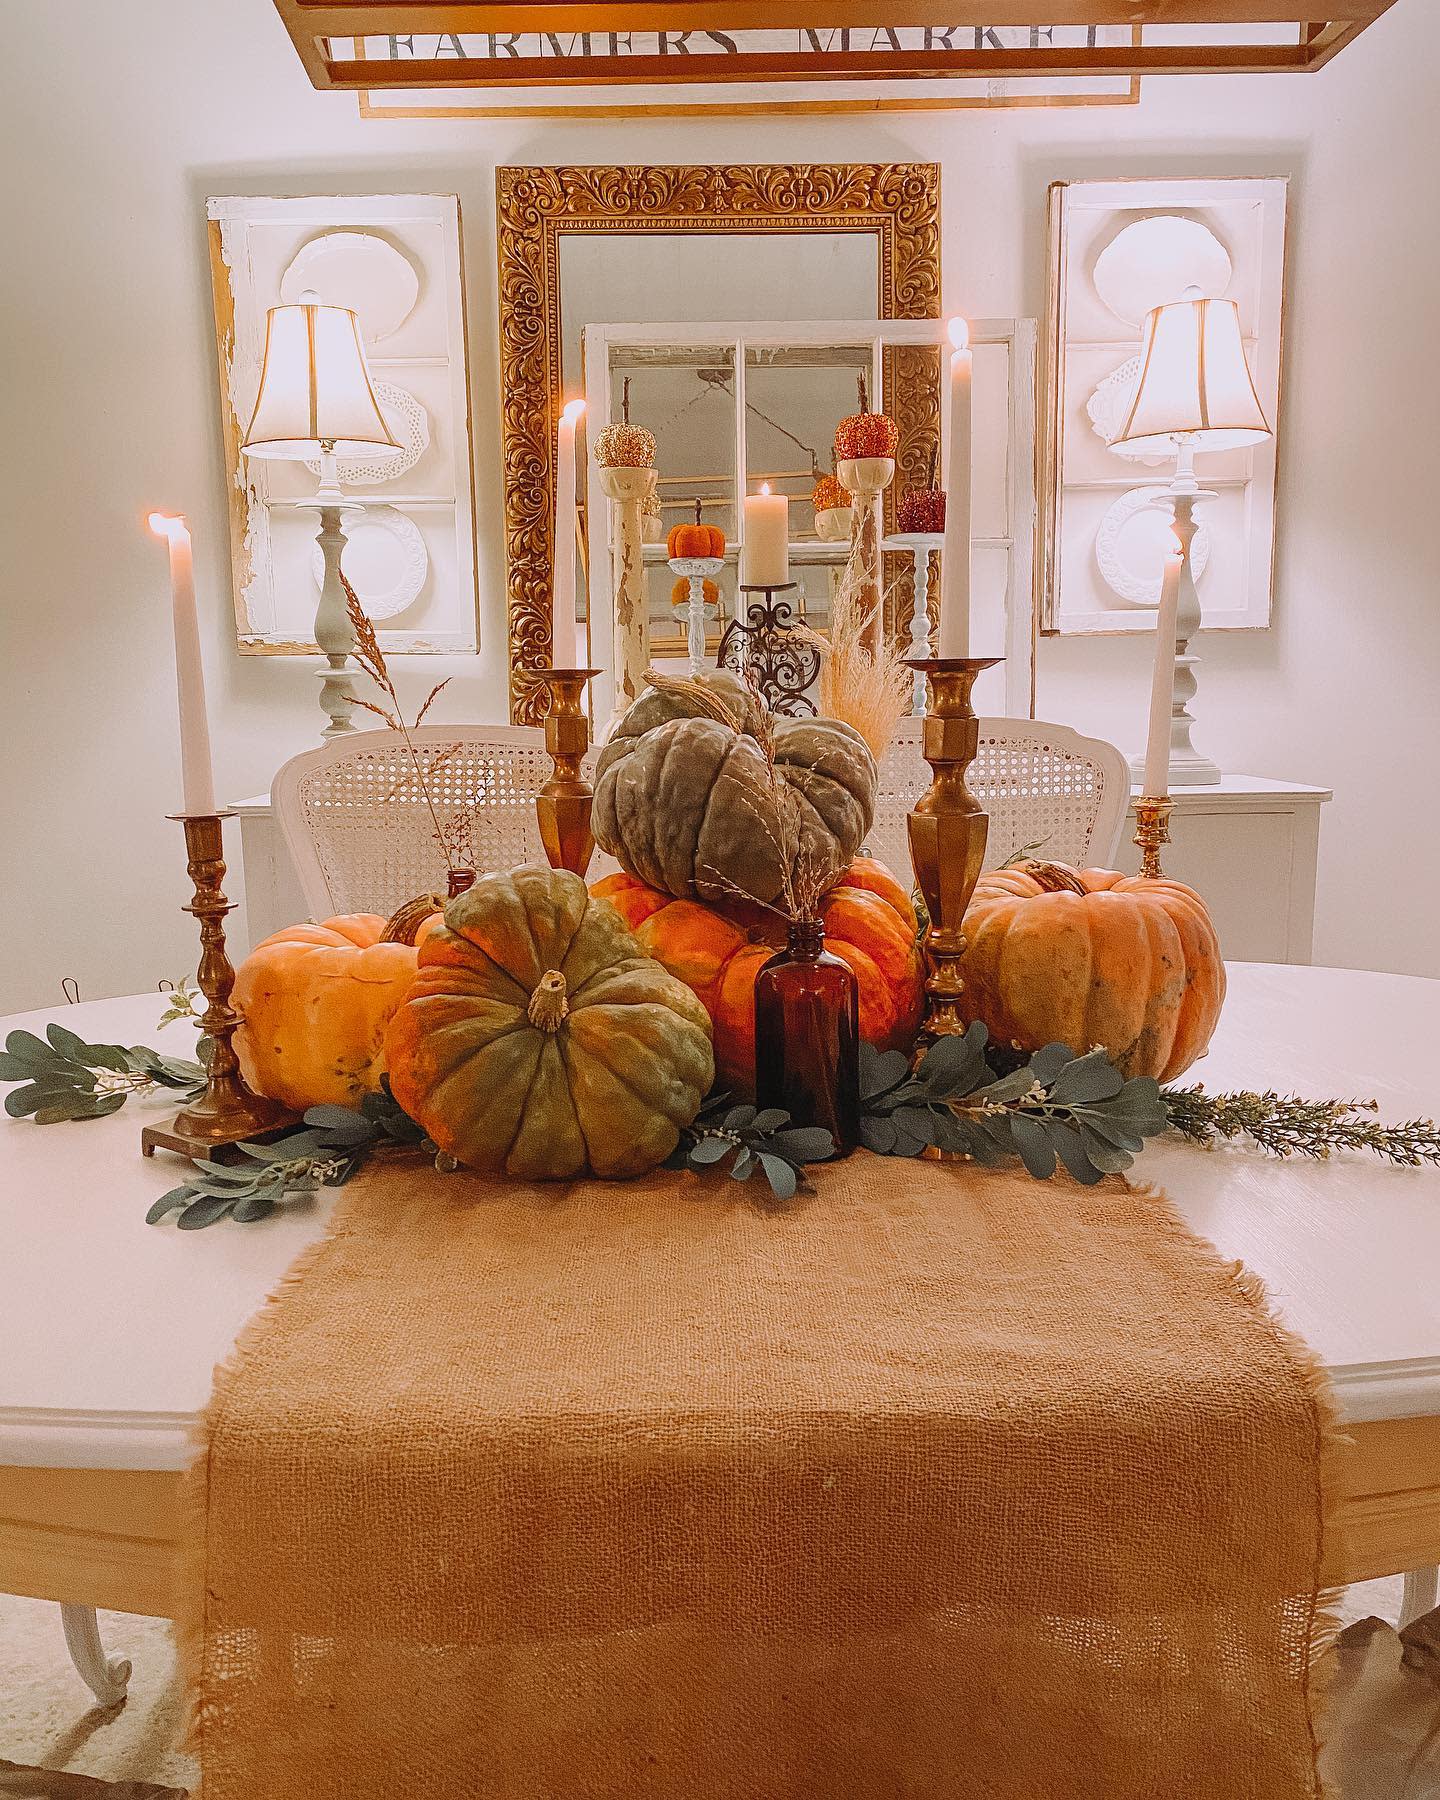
(1422, 1589)
(107, 1678)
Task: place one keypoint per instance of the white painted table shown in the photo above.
(112, 1326)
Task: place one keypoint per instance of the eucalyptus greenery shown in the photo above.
(1056, 1108)
(324, 1151)
(62, 1077)
(748, 1141)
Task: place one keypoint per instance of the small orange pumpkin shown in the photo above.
(1090, 957)
(869, 923)
(828, 495)
(315, 1000)
(865, 433)
(696, 540)
(680, 593)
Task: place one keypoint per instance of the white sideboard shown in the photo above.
(1249, 845)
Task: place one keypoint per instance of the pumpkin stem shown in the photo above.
(698, 519)
(625, 401)
(1055, 878)
(549, 1006)
(861, 383)
(402, 926)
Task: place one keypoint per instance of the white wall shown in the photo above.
(115, 123)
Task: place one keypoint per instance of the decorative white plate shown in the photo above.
(1107, 408)
(359, 270)
(384, 560)
(409, 425)
(1131, 545)
(1154, 261)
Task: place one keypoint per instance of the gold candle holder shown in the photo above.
(1152, 829)
(947, 830)
(227, 1112)
(563, 804)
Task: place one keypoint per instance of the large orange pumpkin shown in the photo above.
(869, 923)
(314, 1002)
(1090, 957)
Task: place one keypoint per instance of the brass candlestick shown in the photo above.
(227, 1112)
(947, 829)
(563, 804)
(1152, 829)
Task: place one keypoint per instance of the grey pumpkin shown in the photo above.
(686, 804)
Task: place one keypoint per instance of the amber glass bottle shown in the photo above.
(807, 1036)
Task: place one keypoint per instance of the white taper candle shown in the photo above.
(564, 628)
(196, 775)
(954, 627)
(1162, 685)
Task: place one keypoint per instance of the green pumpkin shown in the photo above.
(539, 1040)
(685, 802)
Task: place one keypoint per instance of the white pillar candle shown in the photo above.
(196, 774)
(564, 634)
(954, 631)
(1156, 784)
(765, 540)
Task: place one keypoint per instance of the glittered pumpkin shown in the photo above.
(695, 539)
(314, 1002)
(866, 434)
(540, 1041)
(1089, 956)
(921, 510)
(680, 593)
(828, 495)
(869, 923)
(687, 803)
(625, 446)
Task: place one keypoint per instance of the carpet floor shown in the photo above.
(1383, 1734)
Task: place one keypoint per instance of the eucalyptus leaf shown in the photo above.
(743, 1166)
(29, 1048)
(1110, 1159)
(880, 1070)
(805, 1143)
(1071, 1148)
(208, 1210)
(711, 1150)
(1014, 1086)
(739, 1117)
(66, 1044)
(252, 1207)
(168, 1203)
(1032, 1141)
(107, 1056)
(1047, 1063)
(878, 1134)
(769, 1119)
(1088, 1078)
(781, 1176)
(15, 1068)
(340, 1124)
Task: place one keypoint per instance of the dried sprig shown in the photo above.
(866, 687)
(453, 836)
(1286, 1125)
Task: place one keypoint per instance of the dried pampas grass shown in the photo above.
(869, 690)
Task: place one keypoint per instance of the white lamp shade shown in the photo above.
(1194, 381)
(315, 392)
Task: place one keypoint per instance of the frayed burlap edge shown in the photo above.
(1329, 1437)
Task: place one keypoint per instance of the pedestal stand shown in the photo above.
(920, 544)
(627, 489)
(697, 570)
(867, 478)
(563, 804)
(227, 1112)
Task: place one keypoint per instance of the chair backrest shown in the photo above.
(1043, 786)
(361, 832)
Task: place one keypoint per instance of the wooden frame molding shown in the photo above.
(898, 202)
(316, 25)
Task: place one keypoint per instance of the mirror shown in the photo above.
(587, 247)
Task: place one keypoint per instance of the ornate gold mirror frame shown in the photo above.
(897, 202)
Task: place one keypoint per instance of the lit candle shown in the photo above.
(197, 777)
(954, 635)
(1162, 687)
(564, 634)
(765, 540)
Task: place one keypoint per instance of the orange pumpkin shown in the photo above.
(828, 495)
(696, 540)
(869, 923)
(315, 1001)
(1089, 956)
(680, 593)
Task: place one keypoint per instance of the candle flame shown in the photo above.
(169, 525)
(959, 333)
(573, 409)
(764, 487)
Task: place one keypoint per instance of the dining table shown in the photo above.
(113, 1327)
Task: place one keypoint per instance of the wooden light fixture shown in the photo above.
(559, 43)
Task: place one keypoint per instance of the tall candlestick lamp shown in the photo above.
(1194, 394)
(316, 399)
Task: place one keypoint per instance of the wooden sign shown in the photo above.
(411, 57)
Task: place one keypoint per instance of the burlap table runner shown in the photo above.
(940, 1483)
